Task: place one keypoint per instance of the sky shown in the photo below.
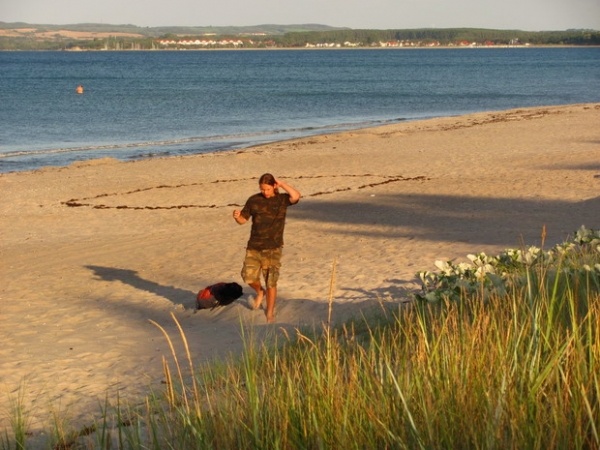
(527, 15)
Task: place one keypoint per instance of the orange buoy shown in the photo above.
(79, 89)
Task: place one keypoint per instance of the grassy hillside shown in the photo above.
(158, 31)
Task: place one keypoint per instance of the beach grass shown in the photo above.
(502, 352)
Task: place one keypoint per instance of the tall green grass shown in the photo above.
(515, 366)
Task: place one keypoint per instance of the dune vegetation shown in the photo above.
(501, 352)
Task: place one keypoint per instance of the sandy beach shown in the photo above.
(93, 252)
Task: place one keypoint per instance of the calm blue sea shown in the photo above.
(160, 103)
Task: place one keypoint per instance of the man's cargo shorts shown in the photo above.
(266, 262)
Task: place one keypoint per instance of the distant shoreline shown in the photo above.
(441, 47)
(130, 37)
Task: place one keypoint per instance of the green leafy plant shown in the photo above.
(496, 275)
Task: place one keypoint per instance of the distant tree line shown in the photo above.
(443, 36)
(279, 38)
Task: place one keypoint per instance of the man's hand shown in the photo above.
(294, 194)
(237, 215)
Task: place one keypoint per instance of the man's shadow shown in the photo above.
(131, 277)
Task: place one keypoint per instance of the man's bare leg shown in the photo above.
(260, 293)
(271, 296)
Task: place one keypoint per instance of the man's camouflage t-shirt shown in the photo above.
(268, 220)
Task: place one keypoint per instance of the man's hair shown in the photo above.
(267, 178)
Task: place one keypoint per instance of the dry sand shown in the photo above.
(90, 253)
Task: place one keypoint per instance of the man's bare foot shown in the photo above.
(270, 319)
(259, 299)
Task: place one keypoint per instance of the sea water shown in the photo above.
(157, 103)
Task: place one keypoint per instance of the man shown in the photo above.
(263, 253)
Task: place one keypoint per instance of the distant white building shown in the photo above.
(203, 43)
